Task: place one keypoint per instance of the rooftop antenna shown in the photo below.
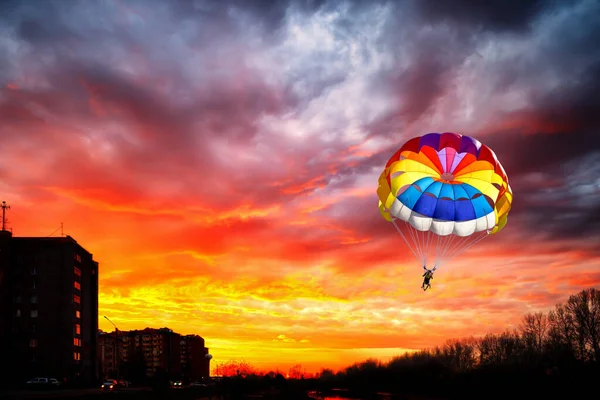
(61, 230)
(4, 206)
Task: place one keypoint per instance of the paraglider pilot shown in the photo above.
(427, 276)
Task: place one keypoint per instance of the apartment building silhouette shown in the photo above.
(48, 308)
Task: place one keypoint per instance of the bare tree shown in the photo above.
(296, 372)
(235, 368)
(500, 349)
(534, 331)
(562, 346)
(488, 350)
(584, 309)
(460, 354)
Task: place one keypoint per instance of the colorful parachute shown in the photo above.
(444, 193)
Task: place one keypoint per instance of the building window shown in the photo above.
(17, 313)
(77, 257)
(77, 329)
(76, 356)
(76, 299)
(33, 271)
(76, 271)
(33, 284)
(33, 327)
(77, 285)
(33, 299)
(17, 299)
(77, 342)
(33, 343)
(77, 314)
(34, 313)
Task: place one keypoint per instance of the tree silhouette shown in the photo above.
(549, 354)
(296, 372)
(584, 312)
(235, 368)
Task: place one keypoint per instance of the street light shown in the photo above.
(116, 365)
(208, 358)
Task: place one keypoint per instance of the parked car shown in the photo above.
(43, 383)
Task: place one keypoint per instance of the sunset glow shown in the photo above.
(221, 159)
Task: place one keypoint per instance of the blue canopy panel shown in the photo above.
(446, 201)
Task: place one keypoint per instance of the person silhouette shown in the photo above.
(427, 276)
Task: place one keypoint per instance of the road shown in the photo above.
(125, 394)
(132, 393)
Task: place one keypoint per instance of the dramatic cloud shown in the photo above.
(220, 160)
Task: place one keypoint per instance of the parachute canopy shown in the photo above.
(446, 185)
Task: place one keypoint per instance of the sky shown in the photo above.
(220, 160)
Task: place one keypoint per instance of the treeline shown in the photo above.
(550, 355)
(547, 354)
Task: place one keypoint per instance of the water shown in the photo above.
(380, 396)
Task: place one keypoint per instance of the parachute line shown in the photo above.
(468, 246)
(404, 237)
(440, 250)
(415, 239)
(428, 243)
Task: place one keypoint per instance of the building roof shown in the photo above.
(56, 239)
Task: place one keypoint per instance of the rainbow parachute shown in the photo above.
(444, 193)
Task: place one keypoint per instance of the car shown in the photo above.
(177, 384)
(124, 383)
(55, 383)
(43, 383)
(110, 385)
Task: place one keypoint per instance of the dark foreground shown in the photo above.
(94, 393)
(75, 394)
(194, 394)
(191, 394)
